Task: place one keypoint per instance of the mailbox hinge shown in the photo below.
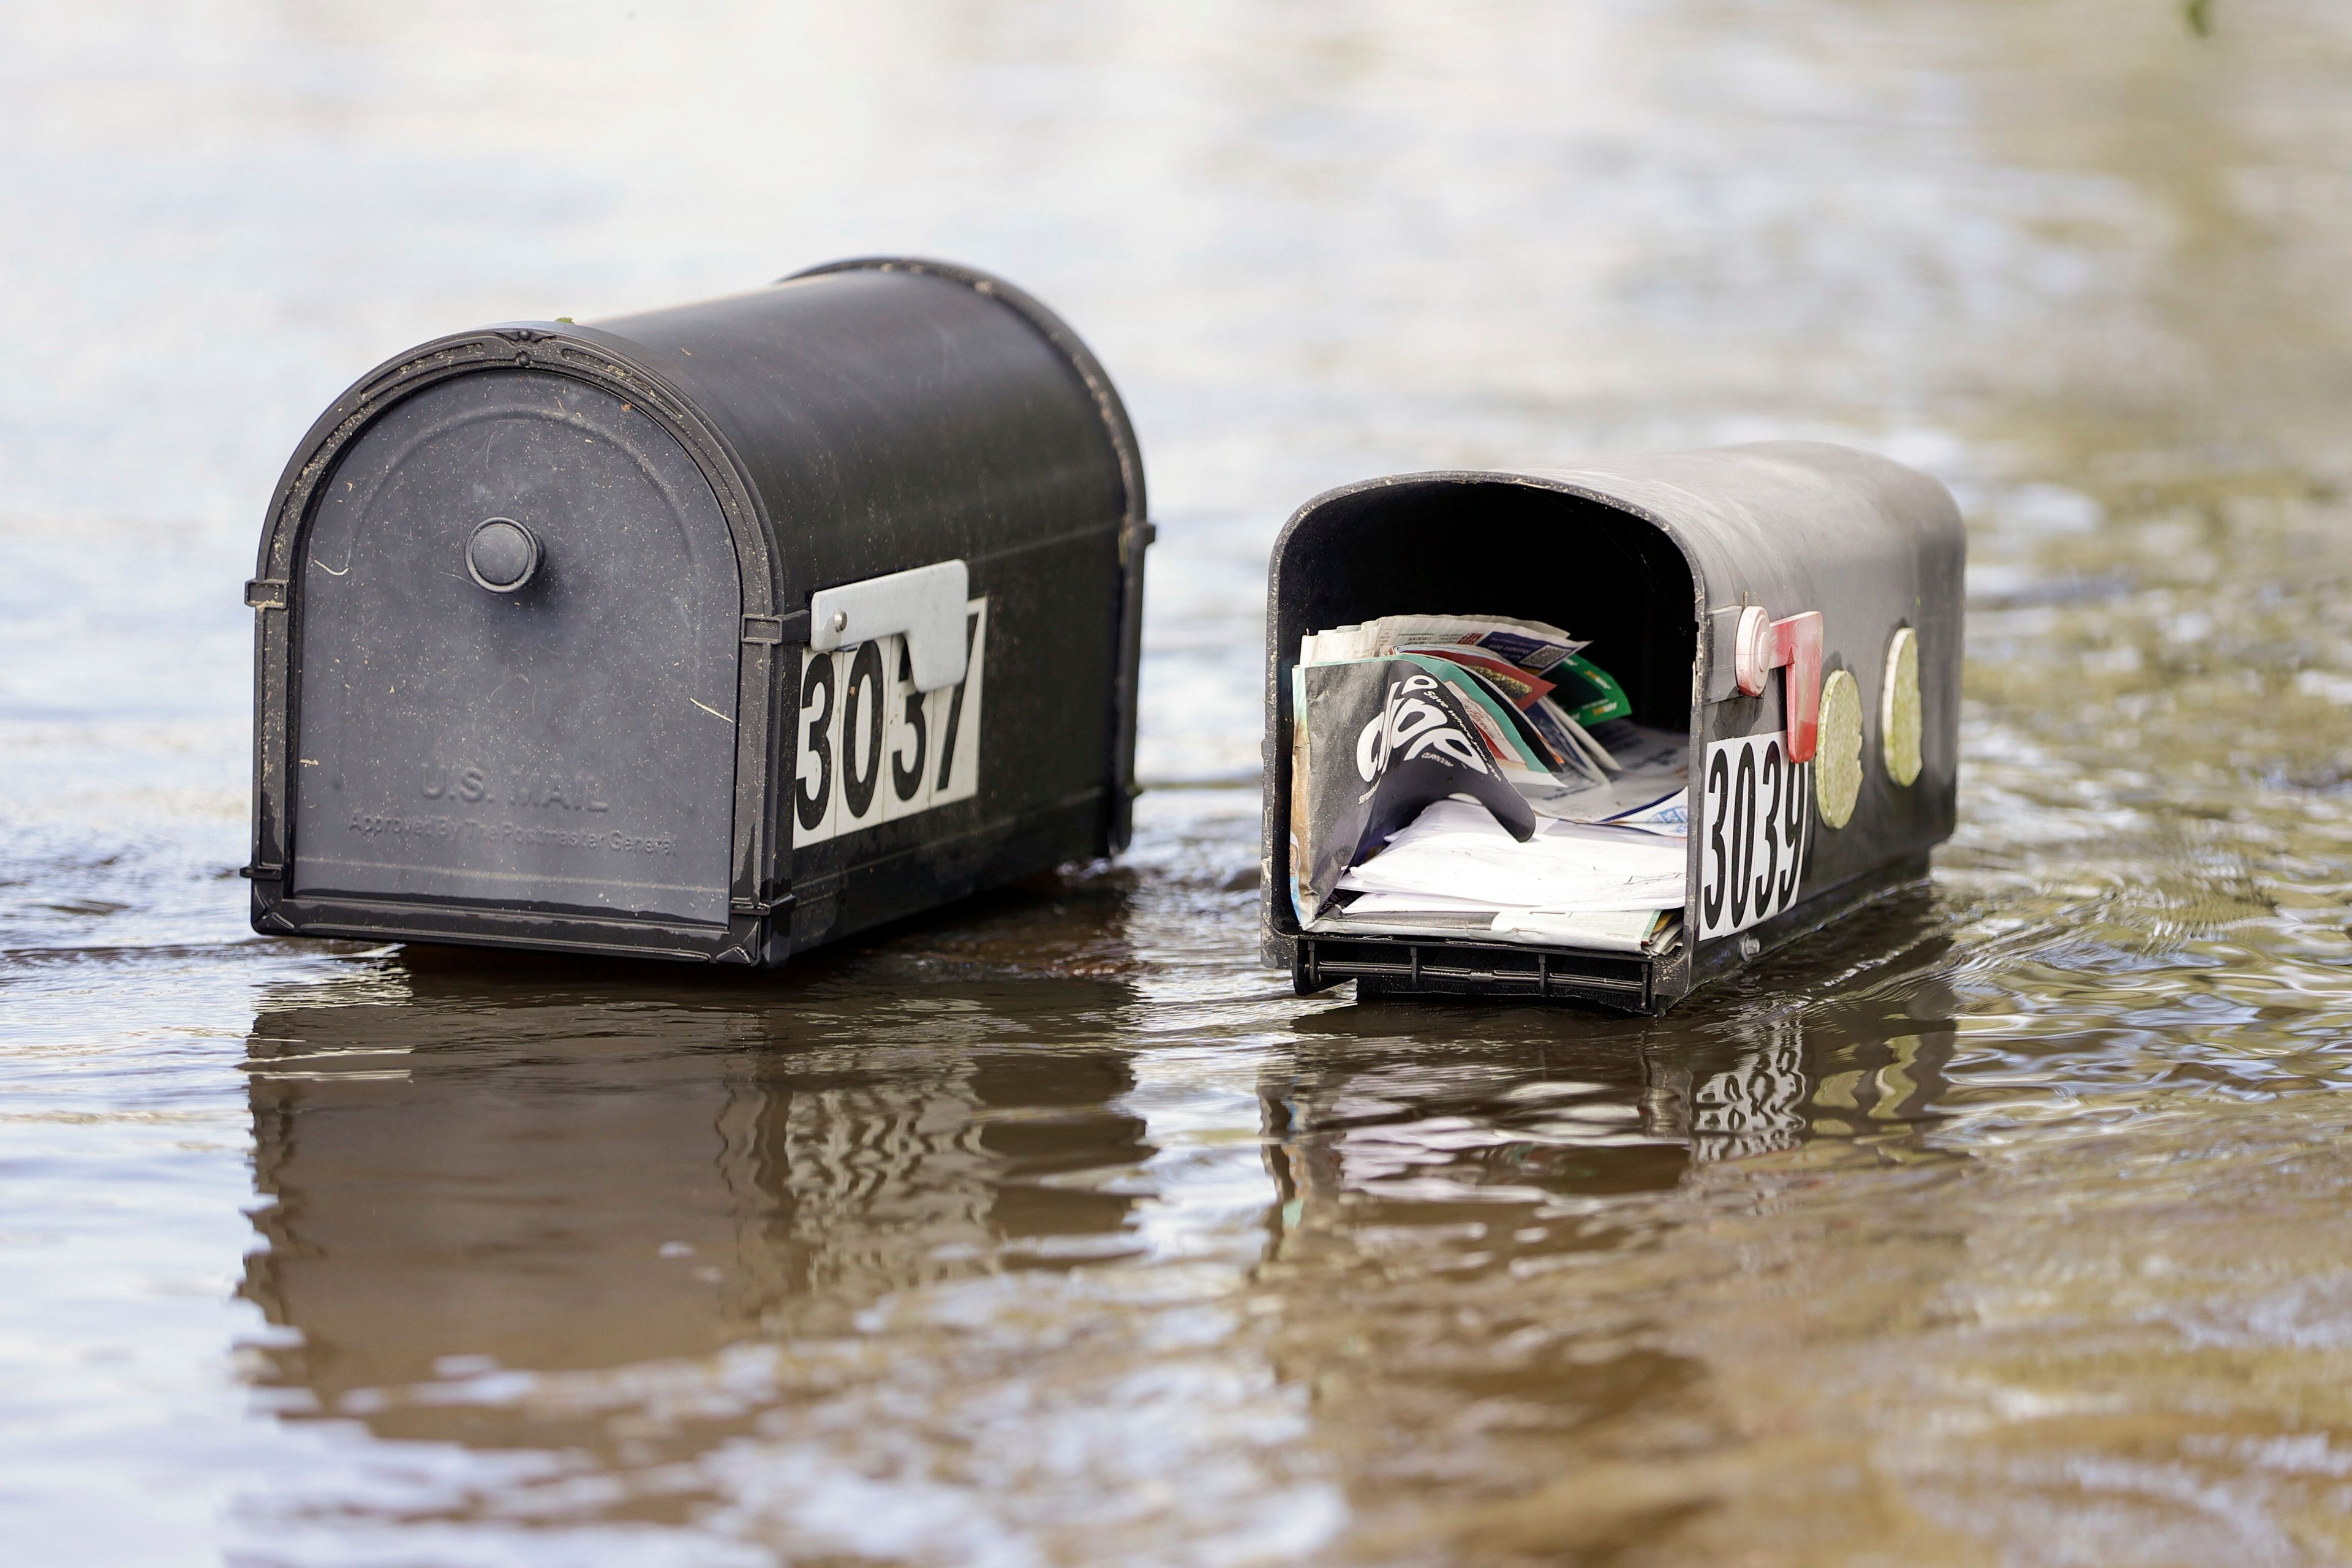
(766, 631)
(266, 593)
(1135, 538)
(760, 908)
(262, 872)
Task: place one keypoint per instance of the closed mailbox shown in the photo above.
(1786, 615)
(711, 632)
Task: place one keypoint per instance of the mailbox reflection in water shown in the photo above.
(1793, 608)
(713, 633)
(592, 1183)
(650, 1229)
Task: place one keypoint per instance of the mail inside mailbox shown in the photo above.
(1441, 785)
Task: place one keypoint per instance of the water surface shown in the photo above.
(2002, 1225)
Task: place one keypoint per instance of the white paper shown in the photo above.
(1414, 903)
(1626, 931)
(1460, 850)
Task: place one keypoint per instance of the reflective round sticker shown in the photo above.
(1898, 716)
(1837, 764)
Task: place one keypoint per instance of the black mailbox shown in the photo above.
(1794, 607)
(711, 632)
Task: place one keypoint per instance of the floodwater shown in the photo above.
(2002, 1225)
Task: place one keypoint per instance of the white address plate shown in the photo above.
(871, 749)
(1758, 816)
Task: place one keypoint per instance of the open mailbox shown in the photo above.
(1789, 612)
(712, 633)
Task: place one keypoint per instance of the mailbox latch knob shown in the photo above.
(502, 555)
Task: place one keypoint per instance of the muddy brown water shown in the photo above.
(2002, 1225)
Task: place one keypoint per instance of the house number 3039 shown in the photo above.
(1757, 826)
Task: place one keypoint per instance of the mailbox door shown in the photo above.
(568, 745)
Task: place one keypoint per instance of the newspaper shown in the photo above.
(1466, 774)
(1516, 660)
(1383, 739)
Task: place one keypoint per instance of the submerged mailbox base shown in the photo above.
(1403, 967)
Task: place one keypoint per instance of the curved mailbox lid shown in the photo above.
(848, 398)
(874, 401)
